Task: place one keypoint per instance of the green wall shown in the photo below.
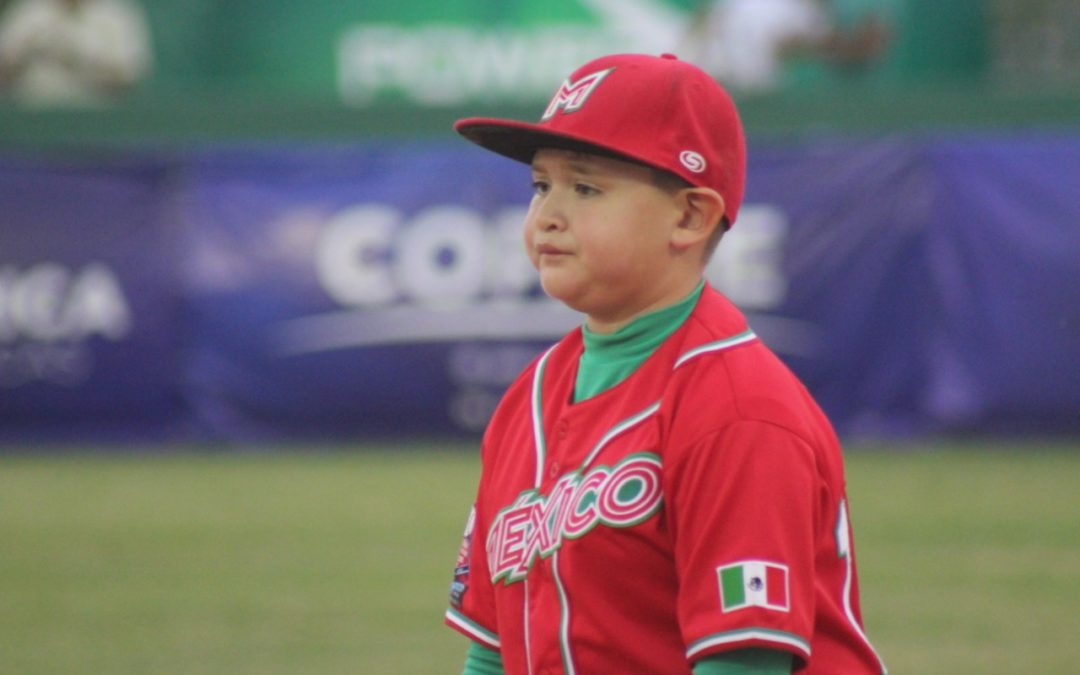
(241, 69)
(287, 48)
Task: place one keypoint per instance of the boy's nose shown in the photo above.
(552, 224)
(549, 215)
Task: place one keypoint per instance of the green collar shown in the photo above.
(609, 359)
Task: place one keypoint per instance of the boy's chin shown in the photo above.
(560, 289)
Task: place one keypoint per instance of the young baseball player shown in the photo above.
(659, 494)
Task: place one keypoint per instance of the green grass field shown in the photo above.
(337, 561)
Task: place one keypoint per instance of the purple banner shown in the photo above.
(917, 285)
(89, 337)
(1003, 248)
(379, 290)
(852, 265)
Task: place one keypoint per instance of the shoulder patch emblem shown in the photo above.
(754, 583)
(460, 585)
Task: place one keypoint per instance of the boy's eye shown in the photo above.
(540, 187)
(583, 189)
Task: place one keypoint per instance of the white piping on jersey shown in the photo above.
(475, 630)
(734, 636)
(538, 415)
(541, 452)
(618, 429)
(843, 545)
(726, 343)
(538, 412)
(564, 619)
(709, 348)
(525, 623)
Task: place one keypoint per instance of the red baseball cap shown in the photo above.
(655, 110)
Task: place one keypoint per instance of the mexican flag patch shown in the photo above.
(754, 583)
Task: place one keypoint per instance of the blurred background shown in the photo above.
(235, 221)
(232, 233)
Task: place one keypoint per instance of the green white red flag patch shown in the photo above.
(754, 583)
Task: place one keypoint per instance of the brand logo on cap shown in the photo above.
(572, 95)
(693, 161)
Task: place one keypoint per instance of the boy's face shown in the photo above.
(599, 232)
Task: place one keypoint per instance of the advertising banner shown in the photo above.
(88, 314)
(1003, 249)
(433, 53)
(384, 288)
(852, 265)
(387, 289)
(521, 51)
(381, 290)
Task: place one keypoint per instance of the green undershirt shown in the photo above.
(610, 358)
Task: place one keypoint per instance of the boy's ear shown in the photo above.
(702, 209)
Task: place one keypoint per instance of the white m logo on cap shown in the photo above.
(572, 95)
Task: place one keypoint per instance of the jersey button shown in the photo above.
(553, 470)
(562, 429)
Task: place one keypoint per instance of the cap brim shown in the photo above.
(520, 140)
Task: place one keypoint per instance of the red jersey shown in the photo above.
(696, 507)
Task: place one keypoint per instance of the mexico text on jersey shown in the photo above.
(534, 526)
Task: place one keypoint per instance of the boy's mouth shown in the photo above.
(548, 249)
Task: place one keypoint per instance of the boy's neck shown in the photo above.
(607, 325)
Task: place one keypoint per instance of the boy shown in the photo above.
(658, 493)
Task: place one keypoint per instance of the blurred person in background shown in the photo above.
(752, 45)
(72, 52)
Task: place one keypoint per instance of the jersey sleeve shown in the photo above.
(741, 503)
(472, 599)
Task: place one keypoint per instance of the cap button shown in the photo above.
(669, 56)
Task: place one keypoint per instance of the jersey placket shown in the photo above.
(571, 442)
(546, 611)
(565, 448)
